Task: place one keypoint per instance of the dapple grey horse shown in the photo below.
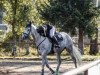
(44, 47)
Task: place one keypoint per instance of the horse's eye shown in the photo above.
(28, 30)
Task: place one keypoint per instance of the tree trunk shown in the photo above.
(14, 8)
(80, 40)
(94, 46)
(1, 13)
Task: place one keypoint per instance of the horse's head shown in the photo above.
(27, 31)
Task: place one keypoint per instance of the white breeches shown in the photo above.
(52, 32)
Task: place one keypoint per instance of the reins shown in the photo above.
(41, 42)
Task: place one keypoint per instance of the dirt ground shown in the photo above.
(22, 67)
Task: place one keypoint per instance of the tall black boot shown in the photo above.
(55, 41)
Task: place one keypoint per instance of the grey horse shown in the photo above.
(44, 47)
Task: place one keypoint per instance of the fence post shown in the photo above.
(14, 50)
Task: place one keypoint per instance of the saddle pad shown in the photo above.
(58, 36)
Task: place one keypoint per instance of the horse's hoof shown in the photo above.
(56, 73)
(53, 72)
(42, 74)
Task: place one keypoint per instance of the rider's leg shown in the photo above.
(55, 41)
(52, 32)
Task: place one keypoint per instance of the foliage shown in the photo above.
(25, 11)
(86, 50)
(6, 45)
(70, 14)
(18, 12)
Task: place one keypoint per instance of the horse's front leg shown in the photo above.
(59, 62)
(43, 62)
(47, 65)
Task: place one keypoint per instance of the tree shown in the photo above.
(94, 44)
(25, 11)
(17, 14)
(69, 15)
(94, 41)
(1, 11)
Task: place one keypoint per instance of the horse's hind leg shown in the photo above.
(70, 50)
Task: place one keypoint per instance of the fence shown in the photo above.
(25, 45)
(18, 48)
(92, 68)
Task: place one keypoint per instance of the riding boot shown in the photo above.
(55, 41)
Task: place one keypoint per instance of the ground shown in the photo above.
(31, 67)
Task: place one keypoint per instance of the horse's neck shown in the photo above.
(36, 35)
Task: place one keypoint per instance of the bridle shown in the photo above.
(27, 34)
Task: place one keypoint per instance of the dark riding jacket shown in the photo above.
(49, 27)
(41, 31)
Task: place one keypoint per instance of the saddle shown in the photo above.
(59, 39)
(58, 36)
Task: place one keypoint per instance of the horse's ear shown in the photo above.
(29, 23)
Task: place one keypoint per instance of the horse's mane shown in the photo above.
(34, 26)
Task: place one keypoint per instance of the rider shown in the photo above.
(49, 32)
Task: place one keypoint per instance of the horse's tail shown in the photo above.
(77, 55)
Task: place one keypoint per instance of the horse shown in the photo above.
(44, 46)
